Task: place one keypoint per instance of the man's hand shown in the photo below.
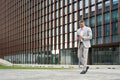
(80, 37)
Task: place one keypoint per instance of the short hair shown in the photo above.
(81, 21)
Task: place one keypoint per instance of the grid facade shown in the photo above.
(44, 31)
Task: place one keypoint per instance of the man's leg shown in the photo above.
(85, 58)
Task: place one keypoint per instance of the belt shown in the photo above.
(81, 42)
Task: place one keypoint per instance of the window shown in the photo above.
(75, 16)
(75, 6)
(86, 22)
(115, 15)
(107, 33)
(86, 13)
(114, 4)
(92, 21)
(99, 8)
(70, 8)
(61, 21)
(65, 28)
(70, 1)
(70, 18)
(92, 10)
(75, 26)
(70, 27)
(86, 3)
(92, 2)
(70, 37)
(65, 10)
(107, 17)
(80, 14)
(80, 4)
(107, 5)
(61, 12)
(115, 28)
(99, 0)
(61, 3)
(65, 19)
(99, 19)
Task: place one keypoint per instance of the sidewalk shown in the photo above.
(67, 74)
(70, 66)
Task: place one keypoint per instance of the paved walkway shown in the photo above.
(71, 74)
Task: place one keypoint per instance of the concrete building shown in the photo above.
(44, 31)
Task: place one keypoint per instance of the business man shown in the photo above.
(84, 35)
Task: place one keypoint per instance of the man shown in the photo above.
(84, 35)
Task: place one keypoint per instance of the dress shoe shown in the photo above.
(83, 72)
(87, 68)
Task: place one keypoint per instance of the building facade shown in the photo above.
(44, 31)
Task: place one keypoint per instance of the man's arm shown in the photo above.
(89, 36)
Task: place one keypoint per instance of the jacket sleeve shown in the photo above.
(89, 35)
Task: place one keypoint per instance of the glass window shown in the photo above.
(93, 32)
(70, 1)
(70, 37)
(65, 10)
(53, 15)
(70, 18)
(61, 30)
(86, 13)
(80, 4)
(56, 14)
(57, 32)
(99, 31)
(92, 21)
(107, 5)
(75, 16)
(92, 10)
(65, 2)
(61, 21)
(115, 15)
(75, 6)
(107, 17)
(65, 37)
(100, 40)
(80, 14)
(70, 27)
(65, 45)
(115, 28)
(86, 3)
(61, 3)
(61, 12)
(53, 7)
(99, 19)
(99, 0)
(65, 19)
(65, 28)
(56, 5)
(86, 22)
(92, 2)
(107, 39)
(70, 8)
(75, 36)
(114, 4)
(107, 30)
(99, 8)
(115, 38)
(75, 26)
(61, 38)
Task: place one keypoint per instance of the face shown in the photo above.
(82, 24)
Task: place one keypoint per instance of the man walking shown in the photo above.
(84, 35)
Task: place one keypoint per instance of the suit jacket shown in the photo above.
(87, 36)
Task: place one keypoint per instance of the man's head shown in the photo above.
(81, 22)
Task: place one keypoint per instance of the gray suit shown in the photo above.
(84, 45)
